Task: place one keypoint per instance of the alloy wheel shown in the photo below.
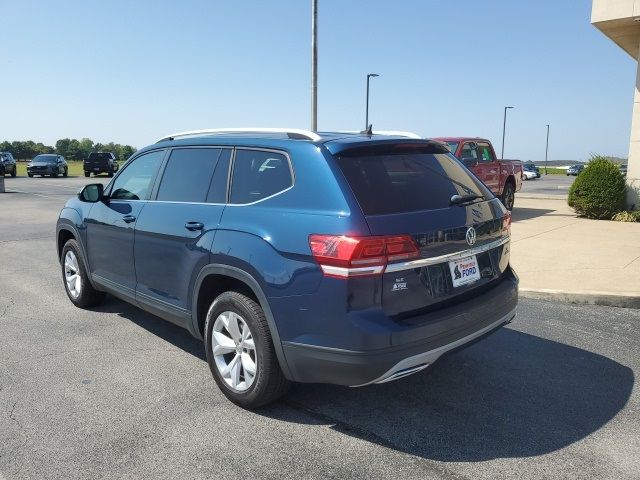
(72, 274)
(234, 351)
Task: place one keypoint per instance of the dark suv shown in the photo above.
(8, 164)
(338, 258)
(100, 162)
(48, 164)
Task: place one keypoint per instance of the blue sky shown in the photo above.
(131, 72)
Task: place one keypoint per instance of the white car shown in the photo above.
(528, 175)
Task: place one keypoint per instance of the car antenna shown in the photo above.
(368, 131)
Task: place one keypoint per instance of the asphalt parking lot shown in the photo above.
(118, 393)
(553, 185)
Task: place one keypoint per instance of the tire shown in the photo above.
(30, 175)
(110, 173)
(87, 174)
(508, 196)
(15, 171)
(65, 173)
(85, 295)
(268, 383)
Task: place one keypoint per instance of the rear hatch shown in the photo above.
(420, 190)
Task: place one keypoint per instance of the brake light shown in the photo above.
(343, 256)
(506, 224)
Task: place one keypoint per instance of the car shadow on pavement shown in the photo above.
(527, 213)
(509, 395)
(169, 332)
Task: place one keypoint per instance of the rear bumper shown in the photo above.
(458, 326)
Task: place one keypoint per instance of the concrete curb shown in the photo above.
(624, 300)
(534, 196)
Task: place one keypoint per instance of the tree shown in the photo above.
(71, 149)
(85, 148)
(73, 152)
(62, 147)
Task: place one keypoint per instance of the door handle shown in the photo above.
(129, 218)
(193, 226)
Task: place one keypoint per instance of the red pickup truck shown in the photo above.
(503, 177)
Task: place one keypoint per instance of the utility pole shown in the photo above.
(366, 121)
(546, 152)
(504, 128)
(314, 65)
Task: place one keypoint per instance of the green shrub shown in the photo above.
(599, 191)
(628, 216)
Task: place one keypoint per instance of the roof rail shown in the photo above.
(395, 133)
(295, 133)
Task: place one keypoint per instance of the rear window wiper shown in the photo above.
(463, 199)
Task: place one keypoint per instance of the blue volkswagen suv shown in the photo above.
(296, 256)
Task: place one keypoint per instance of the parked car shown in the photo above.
(297, 256)
(8, 164)
(100, 162)
(530, 167)
(575, 170)
(529, 175)
(48, 164)
(623, 170)
(502, 177)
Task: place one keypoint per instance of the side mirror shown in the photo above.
(470, 161)
(92, 193)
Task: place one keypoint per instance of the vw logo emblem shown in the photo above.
(471, 235)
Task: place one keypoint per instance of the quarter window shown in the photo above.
(135, 180)
(259, 174)
(188, 173)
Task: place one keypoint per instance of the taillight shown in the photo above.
(343, 256)
(506, 224)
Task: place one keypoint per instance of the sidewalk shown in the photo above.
(557, 255)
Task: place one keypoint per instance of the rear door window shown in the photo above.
(389, 183)
(469, 151)
(188, 174)
(486, 152)
(259, 174)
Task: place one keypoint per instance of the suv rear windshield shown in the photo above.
(390, 181)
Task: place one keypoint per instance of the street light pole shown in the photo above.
(314, 65)
(366, 121)
(546, 152)
(504, 128)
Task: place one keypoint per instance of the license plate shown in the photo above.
(96, 169)
(464, 271)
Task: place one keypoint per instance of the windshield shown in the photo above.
(388, 183)
(46, 158)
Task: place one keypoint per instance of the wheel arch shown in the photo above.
(66, 230)
(216, 278)
(512, 180)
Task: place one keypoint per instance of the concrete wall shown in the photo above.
(620, 21)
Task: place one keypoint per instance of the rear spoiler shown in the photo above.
(388, 146)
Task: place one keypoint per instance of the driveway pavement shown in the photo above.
(117, 393)
(546, 186)
(588, 261)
